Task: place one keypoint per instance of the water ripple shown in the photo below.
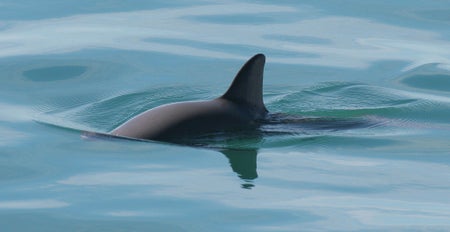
(331, 109)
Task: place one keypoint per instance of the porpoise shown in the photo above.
(240, 108)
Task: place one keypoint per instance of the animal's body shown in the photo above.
(241, 107)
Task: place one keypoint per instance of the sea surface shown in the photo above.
(72, 66)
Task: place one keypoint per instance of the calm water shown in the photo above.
(90, 65)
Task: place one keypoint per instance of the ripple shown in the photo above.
(55, 73)
(439, 82)
(343, 99)
(431, 77)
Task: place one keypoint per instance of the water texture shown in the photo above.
(358, 138)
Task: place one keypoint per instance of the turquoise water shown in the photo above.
(70, 66)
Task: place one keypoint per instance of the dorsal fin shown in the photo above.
(247, 86)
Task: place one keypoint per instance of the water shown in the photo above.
(84, 65)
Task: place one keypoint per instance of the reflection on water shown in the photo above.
(243, 162)
(341, 41)
(299, 39)
(33, 204)
(246, 19)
